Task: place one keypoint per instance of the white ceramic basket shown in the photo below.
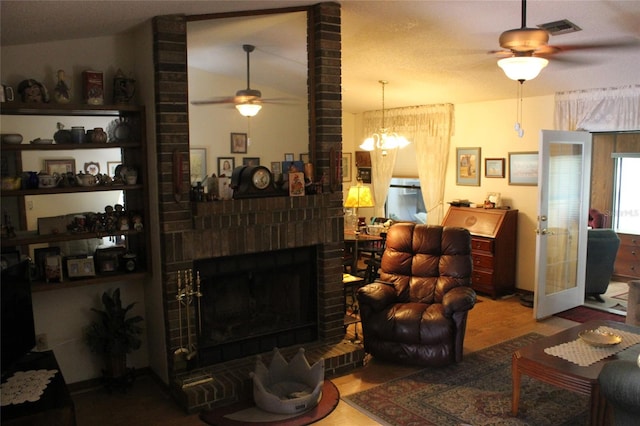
(287, 388)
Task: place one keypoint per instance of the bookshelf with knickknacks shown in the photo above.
(75, 192)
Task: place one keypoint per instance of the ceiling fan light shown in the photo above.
(248, 109)
(522, 67)
(367, 145)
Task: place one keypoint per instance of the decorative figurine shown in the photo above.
(62, 91)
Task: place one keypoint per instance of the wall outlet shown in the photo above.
(42, 342)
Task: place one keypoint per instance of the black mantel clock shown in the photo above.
(252, 182)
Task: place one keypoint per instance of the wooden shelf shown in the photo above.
(69, 190)
(20, 108)
(38, 286)
(68, 146)
(55, 238)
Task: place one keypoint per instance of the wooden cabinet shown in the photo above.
(127, 146)
(627, 265)
(493, 246)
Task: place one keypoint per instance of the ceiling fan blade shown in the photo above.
(610, 44)
(219, 100)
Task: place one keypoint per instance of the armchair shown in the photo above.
(416, 311)
(602, 248)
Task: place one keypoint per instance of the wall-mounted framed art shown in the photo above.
(346, 167)
(60, 166)
(238, 143)
(226, 166)
(198, 162)
(468, 166)
(494, 167)
(523, 168)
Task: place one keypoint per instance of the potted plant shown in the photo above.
(113, 335)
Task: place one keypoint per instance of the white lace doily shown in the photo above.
(581, 353)
(25, 386)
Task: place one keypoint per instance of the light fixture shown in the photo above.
(383, 139)
(521, 68)
(358, 196)
(249, 108)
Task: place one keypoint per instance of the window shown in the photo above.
(626, 202)
(404, 201)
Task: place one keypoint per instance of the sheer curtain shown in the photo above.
(597, 110)
(429, 127)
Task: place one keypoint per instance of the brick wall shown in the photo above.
(193, 231)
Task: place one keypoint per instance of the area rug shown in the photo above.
(246, 413)
(476, 391)
(583, 314)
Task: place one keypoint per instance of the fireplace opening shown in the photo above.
(252, 303)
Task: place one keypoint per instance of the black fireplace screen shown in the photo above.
(253, 303)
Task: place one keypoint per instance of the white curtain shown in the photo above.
(429, 127)
(597, 110)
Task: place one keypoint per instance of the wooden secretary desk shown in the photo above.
(493, 246)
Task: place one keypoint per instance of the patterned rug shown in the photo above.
(583, 314)
(476, 392)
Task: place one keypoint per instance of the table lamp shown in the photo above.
(359, 196)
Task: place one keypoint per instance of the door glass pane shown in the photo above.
(626, 208)
(565, 178)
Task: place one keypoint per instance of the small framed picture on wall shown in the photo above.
(238, 143)
(226, 166)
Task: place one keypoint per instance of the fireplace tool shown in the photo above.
(181, 351)
(186, 295)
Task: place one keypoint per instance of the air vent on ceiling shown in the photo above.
(563, 26)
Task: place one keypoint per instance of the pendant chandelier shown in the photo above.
(383, 139)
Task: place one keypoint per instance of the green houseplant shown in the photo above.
(113, 334)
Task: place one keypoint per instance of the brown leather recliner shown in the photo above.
(416, 311)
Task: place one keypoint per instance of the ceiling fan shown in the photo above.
(247, 101)
(532, 44)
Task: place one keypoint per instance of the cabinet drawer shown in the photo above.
(482, 278)
(482, 260)
(629, 240)
(628, 255)
(482, 244)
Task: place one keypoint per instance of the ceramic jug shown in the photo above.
(98, 135)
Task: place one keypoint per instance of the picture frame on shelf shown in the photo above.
(53, 268)
(494, 167)
(108, 259)
(250, 161)
(276, 167)
(92, 168)
(198, 164)
(292, 166)
(39, 257)
(493, 200)
(226, 166)
(238, 143)
(523, 168)
(60, 166)
(288, 156)
(346, 167)
(305, 157)
(111, 167)
(80, 267)
(296, 184)
(468, 166)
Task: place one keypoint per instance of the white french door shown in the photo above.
(563, 204)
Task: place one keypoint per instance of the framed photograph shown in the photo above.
(468, 166)
(288, 156)
(346, 167)
(111, 167)
(226, 166)
(276, 167)
(198, 164)
(364, 174)
(523, 168)
(292, 166)
(250, 161)
(238, 143)
(60, 166)
(39, 257)
(305, 157)
(494, 167)
(53, 268)
(108, 259)
(492, 200)
(82, 267)
(92, 168)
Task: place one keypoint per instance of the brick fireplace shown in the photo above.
(191, 232)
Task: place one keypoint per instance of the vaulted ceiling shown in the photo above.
(429, 51)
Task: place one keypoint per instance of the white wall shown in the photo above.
(488, 125)
(62, 314)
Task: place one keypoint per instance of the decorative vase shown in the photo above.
(98, 135)
(62, 91)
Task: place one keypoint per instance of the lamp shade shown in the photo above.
(359, 196)
(522, 67)
(248, 109)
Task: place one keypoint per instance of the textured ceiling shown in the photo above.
(429, 51)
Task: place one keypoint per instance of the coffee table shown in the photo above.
(532, 361)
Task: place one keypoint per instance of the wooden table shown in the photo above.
(532, 361)
(352, 237)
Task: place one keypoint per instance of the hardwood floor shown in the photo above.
(490, 322)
